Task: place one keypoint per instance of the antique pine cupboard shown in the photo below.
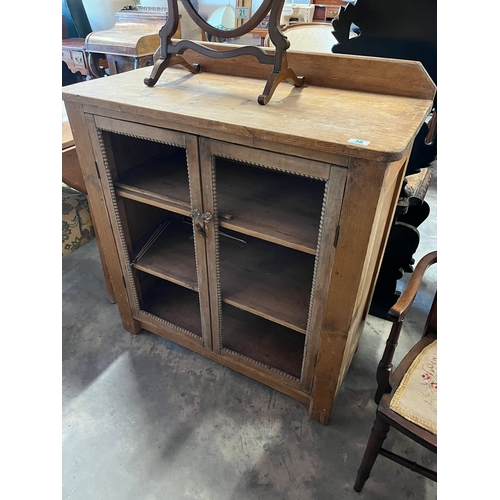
(251, 234)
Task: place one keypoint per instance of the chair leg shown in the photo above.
(377, 437)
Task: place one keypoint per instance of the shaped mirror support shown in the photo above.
(223, 23)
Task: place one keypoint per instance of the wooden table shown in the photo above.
(308, 185)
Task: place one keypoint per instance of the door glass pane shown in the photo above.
(268, 225)
(151, 185)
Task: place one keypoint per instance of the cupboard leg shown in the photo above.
(132, 326)
(320, 412)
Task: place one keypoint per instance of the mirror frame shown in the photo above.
(171, 53)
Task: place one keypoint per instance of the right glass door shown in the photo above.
(266, 232)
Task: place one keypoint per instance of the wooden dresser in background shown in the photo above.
(73, 53)
(326, 10)
(132, 41)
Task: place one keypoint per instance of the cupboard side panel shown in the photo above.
(394, 181)
(365, 191)
(382, 226)
(86, 147)
(332, 205)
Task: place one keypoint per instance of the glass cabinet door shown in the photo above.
(267, 219)
(149, 188)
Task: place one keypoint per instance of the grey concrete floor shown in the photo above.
(145, 419)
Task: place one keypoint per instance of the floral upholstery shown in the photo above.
(77, 228)
(416, 397)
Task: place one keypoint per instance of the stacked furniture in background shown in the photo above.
(398, 30)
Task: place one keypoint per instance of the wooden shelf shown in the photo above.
(259, 277)
(262, 341)
(267, 280)
(275, 206)
(174, 304)
(171, 257)
(161, 181)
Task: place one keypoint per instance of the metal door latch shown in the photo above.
(198, 217)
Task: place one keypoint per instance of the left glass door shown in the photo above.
(148, 187)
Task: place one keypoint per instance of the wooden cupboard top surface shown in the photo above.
(215, 105)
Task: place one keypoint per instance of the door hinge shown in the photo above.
(336, 239)
(97, 169)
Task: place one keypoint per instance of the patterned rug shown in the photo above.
(416, 397)
(77, 228)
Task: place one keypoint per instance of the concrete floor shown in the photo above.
(145, 419)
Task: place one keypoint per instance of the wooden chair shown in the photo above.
(407, 396)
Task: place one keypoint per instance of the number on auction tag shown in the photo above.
(359, 142)
(243, 13)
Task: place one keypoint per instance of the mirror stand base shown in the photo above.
(171, 60)
(275, 79)
(281, 71)
(170, 52)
